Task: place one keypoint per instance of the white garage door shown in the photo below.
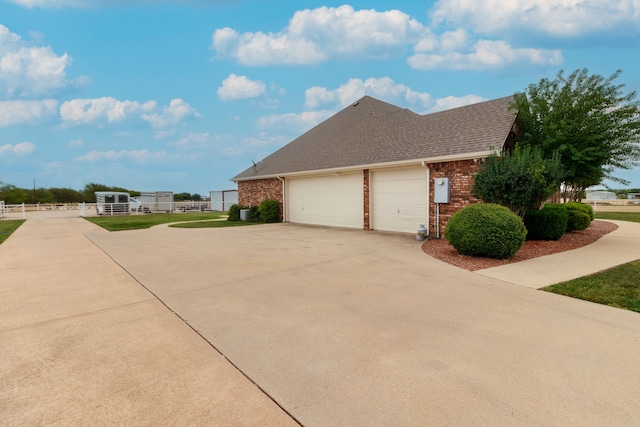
(334, 200)
(399, 199)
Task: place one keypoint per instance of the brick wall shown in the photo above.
(460, 174)
(252, 193)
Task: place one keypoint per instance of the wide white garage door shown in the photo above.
(334, 200)
(399, 199)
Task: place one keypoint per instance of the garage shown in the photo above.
(334, 200)
(399, 199)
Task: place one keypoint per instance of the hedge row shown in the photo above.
(493, 231)
(268, 212)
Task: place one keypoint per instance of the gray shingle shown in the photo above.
(373, 132)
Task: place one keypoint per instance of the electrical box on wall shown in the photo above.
(441, 190)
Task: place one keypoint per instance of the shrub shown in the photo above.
(582, 208)
(254, 215)
(520, 180)
(580, 215)
(577, 220)
(486, 230)
(234, 213)
(549, 223)
(269, 211)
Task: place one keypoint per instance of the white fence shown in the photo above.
(90, 209)
(21, 210)
(613, 205)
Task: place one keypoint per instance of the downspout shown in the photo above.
(424, 165)
(284, 198)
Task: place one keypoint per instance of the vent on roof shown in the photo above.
(355, 104)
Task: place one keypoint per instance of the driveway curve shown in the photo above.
(344, 327)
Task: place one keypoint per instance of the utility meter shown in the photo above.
(441, 190)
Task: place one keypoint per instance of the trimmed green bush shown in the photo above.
(577, 220)
(577, 214)
(269, 211)
(234, 213)
(549, 223)
(254, 215)
(486, 230)
(582, 208)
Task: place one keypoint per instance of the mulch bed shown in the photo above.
(442, 250)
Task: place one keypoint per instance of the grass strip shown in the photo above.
(212, 224)
(616, 287)
(142, 221)
(619, 216)
(7, 227)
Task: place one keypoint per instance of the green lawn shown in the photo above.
(136, 222)
(212, 224)
(617, 287)
(619, 216)
(9, 226)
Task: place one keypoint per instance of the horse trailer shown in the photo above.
(112, 202)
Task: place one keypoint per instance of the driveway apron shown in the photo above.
(345, 327)
(83, 343)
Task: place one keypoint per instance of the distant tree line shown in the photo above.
(180, 197)
(13, 195)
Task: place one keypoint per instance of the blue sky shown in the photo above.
(182, 95)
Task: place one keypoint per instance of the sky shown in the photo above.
(182, 95)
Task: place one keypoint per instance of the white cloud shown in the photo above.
(29, 112)
(76, 143)
(484, 55)
(194, 139)
(20, 149)
(563, 18)
(27, 70)
(295, 122)
(237, 87)
(316, 35)
(384, 88)
(450, 102)
(265, 140)
(101, 110)
(171, 115)
(137, 156)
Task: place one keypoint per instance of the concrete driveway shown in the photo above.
(349, 328)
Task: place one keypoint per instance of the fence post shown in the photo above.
(24, 214)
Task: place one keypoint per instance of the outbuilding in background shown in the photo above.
(222, 200)
(601, 195)
(157, 201)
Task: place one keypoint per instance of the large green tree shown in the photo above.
(589, 120)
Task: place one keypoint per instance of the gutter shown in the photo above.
(284, 200)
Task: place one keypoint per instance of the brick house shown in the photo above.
(375, 166)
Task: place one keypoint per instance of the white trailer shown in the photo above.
(156, 201)
(112, 203)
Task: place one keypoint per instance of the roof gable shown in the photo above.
(371, 132)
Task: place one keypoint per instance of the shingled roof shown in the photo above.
(371, 132)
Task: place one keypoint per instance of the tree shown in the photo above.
(66, 195)
(588, 120)
(13, 195)
(521, 180)
(91, 188)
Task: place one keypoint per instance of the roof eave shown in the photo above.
(439, 159)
